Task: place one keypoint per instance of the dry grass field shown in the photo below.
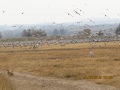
(71, 61)
(5, 83)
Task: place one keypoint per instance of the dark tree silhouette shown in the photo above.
(117, 31)
(55, 32)
(33, 33)
(100, 33)
(0, 35)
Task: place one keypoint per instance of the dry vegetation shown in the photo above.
(71, 61)
(5, 83)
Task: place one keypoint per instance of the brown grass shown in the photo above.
(71, 61)
(5, 84)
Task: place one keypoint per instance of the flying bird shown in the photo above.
(91, 20)
(22, 12)
(77, 12)
(69, 14)
(78, 22)
(106, 16)
(20, 26)
(53, 22)
(80, 10)
(3, 11)
(13, 26)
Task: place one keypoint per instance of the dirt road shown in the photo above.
(23, 81)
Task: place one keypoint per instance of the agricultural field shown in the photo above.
(71, 61)
(5, 83)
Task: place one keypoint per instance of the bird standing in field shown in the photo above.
(9, 73)
(119, 43)
(91, 54)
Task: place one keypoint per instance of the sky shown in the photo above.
(58, 11)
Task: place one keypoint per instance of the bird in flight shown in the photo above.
(106, 16)
(91, 20)
(20, 26)
(77, 12)
(80, 10)
(53, 22)
(69, 14)
(13, 26)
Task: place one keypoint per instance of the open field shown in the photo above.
(71, 61)
(5, 83)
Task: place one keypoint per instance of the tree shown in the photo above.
(62, 32)
(26, 33)
(87, 32)
(117, 31)
(55, 32)
(0, 35)
(84, 34)
(100, 33)
(33, 33)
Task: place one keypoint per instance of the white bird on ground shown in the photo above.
(119, 43)
(91, 54)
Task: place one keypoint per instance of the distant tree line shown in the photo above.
(84, 34)
(60, 32)
(33, 33)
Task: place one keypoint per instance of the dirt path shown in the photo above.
(23, 81)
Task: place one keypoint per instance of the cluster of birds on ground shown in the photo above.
(40, 43)
(62, 43)
(33, 44)
(91, 54)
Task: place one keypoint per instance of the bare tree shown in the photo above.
(0, 35)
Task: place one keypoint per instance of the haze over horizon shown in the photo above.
(57, 11)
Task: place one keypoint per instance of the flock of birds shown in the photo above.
(50, 43)
(78, 12)
(33, 45)
(81, 11)
(36, 44)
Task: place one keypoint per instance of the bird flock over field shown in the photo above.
(36, 44)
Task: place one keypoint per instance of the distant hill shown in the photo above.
(107, 25)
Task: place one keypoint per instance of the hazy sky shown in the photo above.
(41, 11)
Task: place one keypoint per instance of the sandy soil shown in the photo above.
(24, 81)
